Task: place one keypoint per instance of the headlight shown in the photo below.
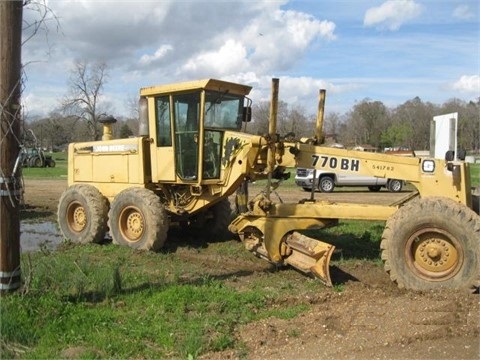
(428, 166)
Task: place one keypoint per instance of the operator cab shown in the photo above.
(187, 124)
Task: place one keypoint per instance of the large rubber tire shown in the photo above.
(37, 162)
(219, 219)
(82, 214)
(432, 243)
(213, 222)
(395, 185)
(138, 219)
(326, 184)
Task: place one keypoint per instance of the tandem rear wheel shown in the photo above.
(82, 214)
(138, 219)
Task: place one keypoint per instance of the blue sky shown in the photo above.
(390, 51)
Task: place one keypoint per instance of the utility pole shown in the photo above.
(10, 185)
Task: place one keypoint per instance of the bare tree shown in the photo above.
(468, 121)
(291, 119)
(332, 124)
(84, 98)
(40, 21)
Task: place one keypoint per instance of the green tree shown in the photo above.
(397, 134)
(125, 131)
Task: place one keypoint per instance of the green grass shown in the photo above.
(353, 239)
(57, 172)
(475, 174)
(107, 301)
(112, 302)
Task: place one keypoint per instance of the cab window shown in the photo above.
(164, 127)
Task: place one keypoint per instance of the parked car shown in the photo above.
(327, 181)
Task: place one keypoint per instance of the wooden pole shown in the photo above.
(272, 133)
(10, 185)
(319, 135)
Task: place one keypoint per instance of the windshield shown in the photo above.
(223, 110)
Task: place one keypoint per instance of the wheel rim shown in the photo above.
(395, 186)
(327, 185)
(76, 217)
(131, 224)
(434, 254)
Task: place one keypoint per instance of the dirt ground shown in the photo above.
(370, 319)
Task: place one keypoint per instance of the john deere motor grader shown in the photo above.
(191, 155)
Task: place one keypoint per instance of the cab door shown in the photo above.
(186, 114)
(162, 152)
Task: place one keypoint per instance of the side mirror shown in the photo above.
(247, 114)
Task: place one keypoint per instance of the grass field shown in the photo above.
(57, 172)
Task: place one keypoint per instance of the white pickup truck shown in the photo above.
(327, 181)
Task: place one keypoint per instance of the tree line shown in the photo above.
(369, 122)
(372, 123)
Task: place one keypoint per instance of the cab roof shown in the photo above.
(207, 84)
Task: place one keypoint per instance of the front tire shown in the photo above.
(432, 243)
(326, 184)
(82, 214)
(138, 219)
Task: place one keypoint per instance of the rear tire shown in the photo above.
(37, 162)
(326, 184)
(82, 214)
(221, 216)
(214, 221)
(432, 243)
(394, 185)
(138, 219)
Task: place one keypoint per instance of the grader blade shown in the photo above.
(310, 256)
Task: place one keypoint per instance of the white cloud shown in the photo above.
(463, 12)
(158, 55)
(147, 42)
(229, 58)
(276, 41)
(468, 83)
(392, 14)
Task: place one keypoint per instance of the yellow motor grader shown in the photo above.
(191, 155)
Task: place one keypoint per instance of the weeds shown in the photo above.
(110, 301)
